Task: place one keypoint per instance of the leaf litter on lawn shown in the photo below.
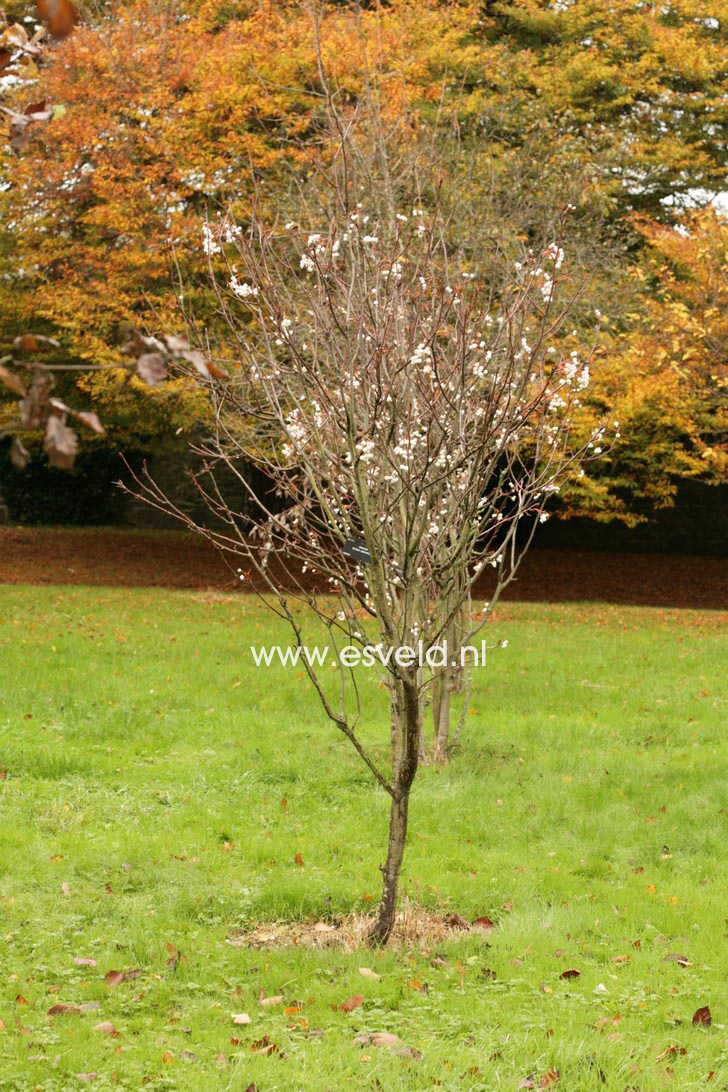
(413, 926)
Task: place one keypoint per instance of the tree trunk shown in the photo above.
(405, 759)
(442, 724)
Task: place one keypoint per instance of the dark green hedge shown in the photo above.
(43, 495)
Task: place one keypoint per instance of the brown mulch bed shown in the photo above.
(119, 558)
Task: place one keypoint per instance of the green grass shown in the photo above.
(147, 764)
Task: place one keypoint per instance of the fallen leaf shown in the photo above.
(378, 1038)
(457, 922)
(264, 1046)
(671, 1050)
(354, 1002)
(84, 961)
(167, 1058)
(239, 1018)
(571, 973)
(20, 1000)
(115, 978)
(367, 972)
(483, 923)
(675, 957)
(389, 1041)
(415, 984)
(551, 1076)
(64, 1010)
(188, 1055)
(299, 860)
(702, 1017)
(278, 1000)
(106, 1028)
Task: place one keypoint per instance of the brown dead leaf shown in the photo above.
(299, 860)
(387, 1040)
(415, 984)
(702, 1017)
(203, 365)
(264, 1046)
(571, 973)
(455, 921)
(270, 1001)
(483, 923)
(84, 961)
(675, 957)
(64, 1010)
(106, 1028)
(670, 1051)
(60, 444)
(115, 978)
(20, 1000)
(91, 420)
(351, 1003)
(152, 368)
(60, 16)
(240, 1018)
(12, 381)
(167, 1058)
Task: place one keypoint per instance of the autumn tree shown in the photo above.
(159, 110)
(412, 414)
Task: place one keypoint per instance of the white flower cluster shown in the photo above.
(241, 289)
(575, 373)
(210, 244)
(422, 358)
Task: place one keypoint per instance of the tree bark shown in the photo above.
(442, 724)
(405, 759)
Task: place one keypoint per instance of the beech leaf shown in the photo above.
(19, 455)
(152, 368)
(60, 444)
(91, 420)
(12, 381)
(60, 16)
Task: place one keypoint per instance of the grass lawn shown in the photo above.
(160, 795)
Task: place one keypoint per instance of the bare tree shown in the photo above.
(413, 416)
